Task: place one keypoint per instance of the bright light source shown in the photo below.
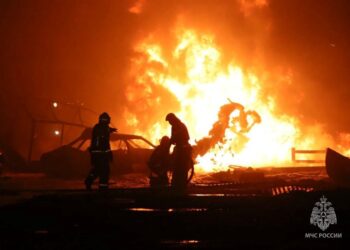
(57, 132)
(55, 104)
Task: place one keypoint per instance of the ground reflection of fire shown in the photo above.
(229, 121)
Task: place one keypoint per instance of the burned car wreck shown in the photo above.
(130, 155)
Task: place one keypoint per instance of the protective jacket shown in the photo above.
(100, 139)
(179, 134)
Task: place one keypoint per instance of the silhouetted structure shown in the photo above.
(159, 163)
(182, 155)
(338, 167)
(101, 154)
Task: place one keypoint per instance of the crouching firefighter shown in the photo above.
(100, 152)
(159, 164)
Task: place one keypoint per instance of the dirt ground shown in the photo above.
(217, 211)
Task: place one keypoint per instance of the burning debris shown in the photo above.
(191, 77)
(338, 167)
(231, 116)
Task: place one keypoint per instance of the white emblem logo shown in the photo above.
(323, 214)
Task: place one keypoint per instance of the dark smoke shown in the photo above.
(312, 39)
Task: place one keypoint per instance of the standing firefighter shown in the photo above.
(182, 155)
(100, 151)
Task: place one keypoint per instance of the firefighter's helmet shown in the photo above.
(170, 117)
(165, 140)
(104, 118)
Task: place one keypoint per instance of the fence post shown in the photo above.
(293, 154)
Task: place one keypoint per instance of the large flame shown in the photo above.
(194, 73)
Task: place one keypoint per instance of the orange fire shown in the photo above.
(193, 73)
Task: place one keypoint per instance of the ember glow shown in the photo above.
(194, 74)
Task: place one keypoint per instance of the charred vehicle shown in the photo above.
(130, 155)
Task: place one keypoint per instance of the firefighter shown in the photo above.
(182, 154)
(159, 163)
(100, 152)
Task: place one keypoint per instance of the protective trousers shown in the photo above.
(182, 160)
(100, 169)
